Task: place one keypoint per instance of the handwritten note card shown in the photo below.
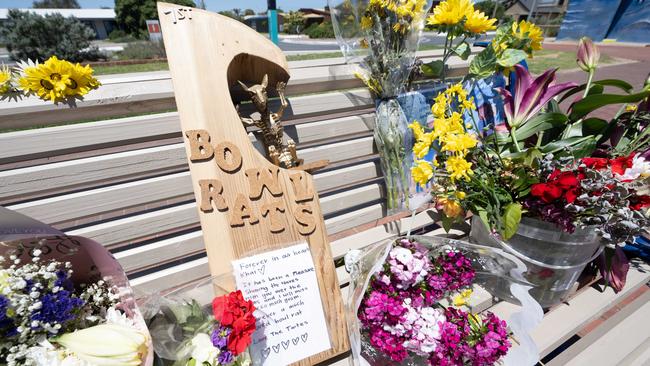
(282, 284)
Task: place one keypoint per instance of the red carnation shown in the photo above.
(571, 195)
(240, 337)
(621, 163)
(228, 308)
(547, 192)
(567, 180)
(639, 202)
(595, 163)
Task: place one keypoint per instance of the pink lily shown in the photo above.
(588, 55)
(613, 267)
(531, 95)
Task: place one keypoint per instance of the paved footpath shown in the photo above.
(634, 71)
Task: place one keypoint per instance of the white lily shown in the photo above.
(106, 344)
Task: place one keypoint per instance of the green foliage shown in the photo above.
(487, 7)
(592, 102)
(294, 22)
(235, 13)
(511, 57)
(56, 4)
(511, 218)
(433, 69)
(462, 50)
(483, 64)
(143, 50)
(322, 30)
(119, 35)
(31, 36)
(131, 15)
(248, 12)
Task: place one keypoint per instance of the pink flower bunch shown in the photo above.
(402, 316)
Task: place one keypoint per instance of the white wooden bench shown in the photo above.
(125, 183)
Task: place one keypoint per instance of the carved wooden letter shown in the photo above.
(274, 210)
(300, 188)
(241, 211)
(200, 148)
(305, 217)
(258, 178)
(221, 152)
(211, 191)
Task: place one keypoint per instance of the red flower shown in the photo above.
(639, 202)
(595, 163)
(571, 195)
(567, 180)
(621, 163)
(240, 337)
(546, 192)
(228, 308)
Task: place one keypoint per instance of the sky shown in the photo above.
(214, 5)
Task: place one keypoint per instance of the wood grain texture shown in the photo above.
(204, 62)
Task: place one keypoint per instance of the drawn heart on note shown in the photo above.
(276, 348)
(262, 269)
(285, 344)
(295, 341)
(304, 337)
(265, 352)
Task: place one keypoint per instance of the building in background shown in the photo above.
(102, 21)
(545, 12)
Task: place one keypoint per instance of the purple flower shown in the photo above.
(408, 266)
(220, 337)
(531, 95)
(225, 357)
(7, 326)
(613, 266)
(57, 308)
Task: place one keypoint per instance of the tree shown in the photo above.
(488, 7)
(56, 4)
(201, 5)
(35, 37)
(294, 22)
(248, 12)
(131, 15)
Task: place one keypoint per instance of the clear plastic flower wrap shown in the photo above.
(64, 300)
(408, 300)
(204, 323)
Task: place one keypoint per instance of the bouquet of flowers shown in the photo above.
(565, 168)
(64, 301)
(411, 303)
(188, 333)
(57, 81)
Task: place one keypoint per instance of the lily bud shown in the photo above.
(106, 344)
(588, 55)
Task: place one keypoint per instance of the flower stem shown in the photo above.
(591, 77)
(513, 136)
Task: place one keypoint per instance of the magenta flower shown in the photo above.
(588, 55)
(531, 95)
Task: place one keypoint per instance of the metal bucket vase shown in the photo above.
(554, 259)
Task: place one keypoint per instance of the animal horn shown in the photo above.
(243, 85)
(265, 80)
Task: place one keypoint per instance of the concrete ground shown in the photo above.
(634, 69)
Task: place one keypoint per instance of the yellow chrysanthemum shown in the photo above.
(366, 22)
(463, 297)
(421, 149)
(458, 142)
(477, 22)
(422, 172)
(5, 79)
(418, 131)
(525, 29)
(451, 208)
(468, 104)
(57, 80)
(439, 106)
(459, 168)
(451, 12)
(445, 126)
(460, 195)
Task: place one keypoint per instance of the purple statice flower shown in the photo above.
(7, 326)
(408, 266)
(225, 357)
(56, 308)
(220, 337)
(550, 212)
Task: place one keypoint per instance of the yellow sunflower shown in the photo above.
(525, 29)
(451, 12)
(477, 22)
(81, 80)
(366, 22)
(5, 79)
(57, 80)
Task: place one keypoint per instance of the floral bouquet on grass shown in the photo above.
(64, 301)
(187, 332)
(411, 301)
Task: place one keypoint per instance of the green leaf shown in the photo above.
(606, 82)
(556, 146)
(511, 218)
(592, 102)
(462, 50)
(511, 57)
(539, 123)
(593, 126)
(447, 222)
(484, 63)
(596, 89)
(433, 69)
(584, 148)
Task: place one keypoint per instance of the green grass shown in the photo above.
(314, 56)
(122, 69)
(547, 59)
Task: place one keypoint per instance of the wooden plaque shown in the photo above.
(246, 204)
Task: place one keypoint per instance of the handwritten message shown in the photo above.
(282, 284)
